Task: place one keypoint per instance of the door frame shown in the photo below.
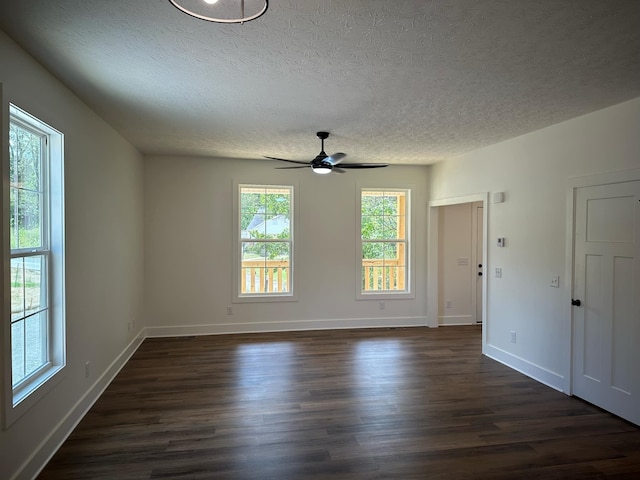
(573, 184)
(477, 257)
(433, 257)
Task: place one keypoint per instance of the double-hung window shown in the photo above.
(384, 249)
(265, 241)
(36, 273)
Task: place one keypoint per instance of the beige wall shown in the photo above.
(188, 245)
(103, 190)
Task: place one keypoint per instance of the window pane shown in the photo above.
(253, 252)
(391, 204)
(372, 227)
(390, 228)
(278, 201)
(35, 288)
(373, 250)
(17, 351)
(257, 227)
(13, 217)
(252, 200)
(25, 154)
(391, 251)
(277, 227)
(371, 203)
(278, 251)
(17, 289)
(252, 212)
(35, 335)
(29, 218)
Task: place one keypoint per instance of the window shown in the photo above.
(36, 243)
(265, 241)
(384, 242)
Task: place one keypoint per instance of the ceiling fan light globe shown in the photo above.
(321, 170)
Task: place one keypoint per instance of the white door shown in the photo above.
(606, 324)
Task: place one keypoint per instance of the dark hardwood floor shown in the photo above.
(411, 403)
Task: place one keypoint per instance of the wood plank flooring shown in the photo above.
(412, 403)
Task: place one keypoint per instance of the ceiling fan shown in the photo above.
(324, 163)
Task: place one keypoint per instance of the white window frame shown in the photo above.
(33, 387)
(408, 292)
(253, 297)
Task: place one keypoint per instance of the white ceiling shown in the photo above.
(404, 82)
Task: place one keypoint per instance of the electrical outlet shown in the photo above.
(498, 272)
(448, 304)
(87, 369)
(381, 305)
(555, 281)
(229, 310)
(514, 337)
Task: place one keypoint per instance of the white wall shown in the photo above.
(534, 170)
(188, 245)
(104, 230)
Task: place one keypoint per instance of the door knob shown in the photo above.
(575, 302)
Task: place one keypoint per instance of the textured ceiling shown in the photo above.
(404, 82)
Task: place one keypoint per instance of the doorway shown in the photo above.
(472, 262)
(460, 267)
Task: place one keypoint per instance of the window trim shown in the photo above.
(409, 291)
(30, 390)
(292, 295)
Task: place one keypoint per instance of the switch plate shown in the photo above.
(513, 336)
(229, 310)
(501, 242)
(448, 304)
(555, 281)
(498, 272)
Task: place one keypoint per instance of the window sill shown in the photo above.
(265, 298)
(385, 296)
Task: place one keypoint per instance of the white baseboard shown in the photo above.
(538, 373)
(50, 445)
(284, 326)
(455, 320)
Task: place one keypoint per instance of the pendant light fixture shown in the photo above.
(223, 11)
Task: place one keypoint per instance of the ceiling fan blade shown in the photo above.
(338, 170)
(336, 158)
(290, 161)
(363, 165)
(287, 168)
